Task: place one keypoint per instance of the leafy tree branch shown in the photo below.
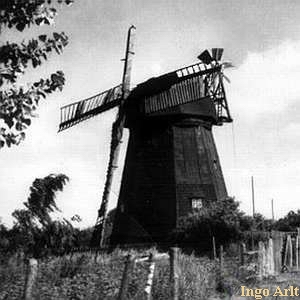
(22, 13)
(38, 233)
(17, 107)
(14, 58)
(17, 104)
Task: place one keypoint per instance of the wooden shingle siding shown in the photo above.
(168, 164)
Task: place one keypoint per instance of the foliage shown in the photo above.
(255, 229)
(253, 237)
(82, 276)
(4, 241)
(36, 232)
(219, 219)
(261, 223)
(223, 220)
(83, 237)
(290, 222)
(17, 104)
(41, 200)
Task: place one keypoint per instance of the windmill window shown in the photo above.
(197, 203)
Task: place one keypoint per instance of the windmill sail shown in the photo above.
(186, 91)
(74, 113)
(186, 85)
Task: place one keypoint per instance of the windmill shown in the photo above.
(171, 166)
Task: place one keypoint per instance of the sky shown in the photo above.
(261, 38)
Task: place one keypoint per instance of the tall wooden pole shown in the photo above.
(174, 274)
(253, 212)
(272, 206)
(214, 248)
(253, 200)
(116, 139)
(129, 265)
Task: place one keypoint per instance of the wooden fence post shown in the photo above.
(221, 260)
(260, 260)
(277, 237)
(265, 260)
(242, 253)
(297, 248)
(271, 258)
(174, 276)
(297, 252)
(288, 256)
(252, 241)
(214, 248)
(290, 252)
(95, 256)
(30, 276)
(149, 283)
(126, 277)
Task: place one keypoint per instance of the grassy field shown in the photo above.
(83, 276)
(86, 276)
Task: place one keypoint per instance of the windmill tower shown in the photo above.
(172, 165)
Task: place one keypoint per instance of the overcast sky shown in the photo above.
(261, 38)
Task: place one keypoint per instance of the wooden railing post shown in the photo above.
(129, 264)
(174, 274)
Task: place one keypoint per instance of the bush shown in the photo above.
(289, 223)
(219, 219)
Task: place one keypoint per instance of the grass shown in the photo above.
(85, 276)
(91, 277)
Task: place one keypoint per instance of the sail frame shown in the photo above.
(79, 111)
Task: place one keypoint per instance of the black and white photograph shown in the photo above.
(149, 149)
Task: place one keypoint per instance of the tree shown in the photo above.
(4, 242)
(256, 223)
(218, 218)
(18, 104)
(38, 234)
(290, 222)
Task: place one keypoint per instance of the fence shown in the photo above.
(279, 254)
(128, 266)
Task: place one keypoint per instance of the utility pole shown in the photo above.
(253, 213)
(252, 188)
(272, 206)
